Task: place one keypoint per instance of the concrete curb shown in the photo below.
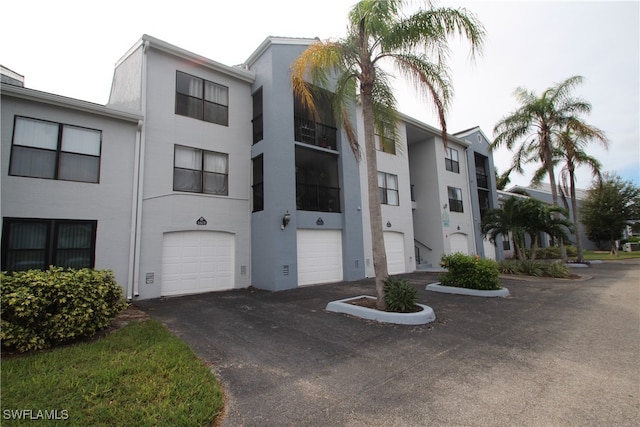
(436, 287)
(420, 318)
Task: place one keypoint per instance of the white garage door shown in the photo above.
(197, 261)
(459, 243)
(394, 246)
(319, 256)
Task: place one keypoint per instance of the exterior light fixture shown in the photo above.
(285, 220)
(388, 224)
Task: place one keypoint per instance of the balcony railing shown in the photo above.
(317, 198)
(313, 133)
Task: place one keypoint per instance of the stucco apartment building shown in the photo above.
(197, 176)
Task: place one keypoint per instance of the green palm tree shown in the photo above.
(535, 125)
(570, 150)
(378, 32)
(505, 221)
(519, 216)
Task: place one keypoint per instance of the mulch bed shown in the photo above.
(371, 303)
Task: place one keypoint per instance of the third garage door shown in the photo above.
(319, 256)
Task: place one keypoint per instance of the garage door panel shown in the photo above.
(459, 243)
(197, 261)
(319, 256)
(394, 248)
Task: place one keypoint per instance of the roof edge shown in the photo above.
(72, 103)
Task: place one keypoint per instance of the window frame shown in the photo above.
(455, 204)
(202, 172)
(451, 164)
(60, 153)
(51, 248)
(385, 190)
(201, 114)
(257, 120)
(385, 144)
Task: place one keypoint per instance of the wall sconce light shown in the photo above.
(445, 206)
(285, 220)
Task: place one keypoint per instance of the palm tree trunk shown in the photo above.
(554, 194)
(375, 211)
(574, 208)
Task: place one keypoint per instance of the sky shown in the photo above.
(70, 47)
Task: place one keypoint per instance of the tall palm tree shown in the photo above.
(570, 150)
(379, 32)
(535, 125)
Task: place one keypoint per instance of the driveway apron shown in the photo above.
(556, 352)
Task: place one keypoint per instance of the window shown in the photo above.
(37, 243)
(257, 120)
(455, 199)
(202, 99)
(200, 171)
(258, 183)
(388, 185)
(386, 145)
(43, 149)
(451, 160)
(506, 243)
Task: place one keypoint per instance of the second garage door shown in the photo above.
(319, 256)
(197, 261)
(459, 243)
(394, 247)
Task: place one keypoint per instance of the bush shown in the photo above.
(534, 268)
(400, 296)
(466, 271)
(41, 309)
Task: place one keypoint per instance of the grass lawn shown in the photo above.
(139, 375)
(606, 256)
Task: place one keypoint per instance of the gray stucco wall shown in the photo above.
(165, 210)
(109, 202)
(480, 145)
(274, 251)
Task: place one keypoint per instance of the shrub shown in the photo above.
(466, 271)
(534, 268)
(399, 295)
(558, 269)
(510, 267)
(41, 309)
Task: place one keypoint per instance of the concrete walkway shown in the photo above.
(555, 353)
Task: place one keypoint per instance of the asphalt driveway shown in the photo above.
(557, 352)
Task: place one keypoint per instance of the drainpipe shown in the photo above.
(143, 137)
(134, 212)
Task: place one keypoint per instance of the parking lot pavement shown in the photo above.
(557, 352)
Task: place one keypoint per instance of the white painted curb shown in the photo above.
(437, 287)
(419, 318)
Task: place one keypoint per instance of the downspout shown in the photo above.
(134, 211)
(143, 137)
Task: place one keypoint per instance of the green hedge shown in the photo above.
(41, 309)
(466, 271)
(535, 268)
